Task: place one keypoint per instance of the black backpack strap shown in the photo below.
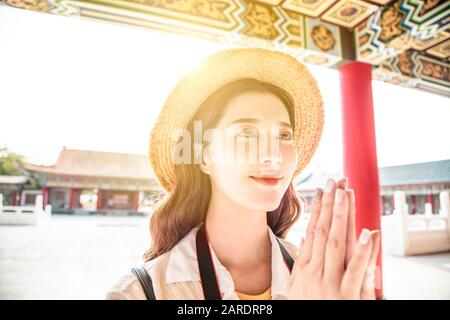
(145, 280)
(286, 256)
(207, 272)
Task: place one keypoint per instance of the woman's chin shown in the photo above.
(266, 203)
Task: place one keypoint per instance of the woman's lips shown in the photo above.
(268, 181)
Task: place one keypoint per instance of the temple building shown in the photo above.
(421, 182)
(11, 189)
(94, 181)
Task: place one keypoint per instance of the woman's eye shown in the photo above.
(248, 133)
(285, 135)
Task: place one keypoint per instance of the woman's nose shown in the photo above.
(271, 155)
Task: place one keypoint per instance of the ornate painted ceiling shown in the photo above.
(406, 41)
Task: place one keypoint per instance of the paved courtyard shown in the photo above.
(80, 257)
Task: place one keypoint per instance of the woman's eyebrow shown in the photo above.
(252, 120)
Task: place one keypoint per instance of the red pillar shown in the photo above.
(360, 154)
(413, 204)
(99, 198)
(71, 191)
(45, 196)
(13, 196)
(431, 200)
(136, 200)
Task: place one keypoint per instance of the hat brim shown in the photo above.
(271, 66)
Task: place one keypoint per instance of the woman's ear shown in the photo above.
(204, 168)
(201, 157)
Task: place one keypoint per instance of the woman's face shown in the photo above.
(251, 158)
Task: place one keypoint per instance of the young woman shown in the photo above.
(230, 139)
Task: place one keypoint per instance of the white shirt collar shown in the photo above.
(183, 266)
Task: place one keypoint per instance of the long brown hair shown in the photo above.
(187, 204)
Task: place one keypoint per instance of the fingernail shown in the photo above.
(364, 236)
(329, 185)
(374, 232)
(339, 195)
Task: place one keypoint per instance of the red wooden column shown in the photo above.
(360, 153)
(431, 200)
(99, 198)
(45, 196)
(13, 197)
(71, 191)
(136, 200)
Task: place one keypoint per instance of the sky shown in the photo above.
(98, 86)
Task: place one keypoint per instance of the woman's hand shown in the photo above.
(331, 263)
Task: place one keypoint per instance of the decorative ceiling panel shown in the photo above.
(407, 41)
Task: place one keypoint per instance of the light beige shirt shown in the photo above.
(175, 274)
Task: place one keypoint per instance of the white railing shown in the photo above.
(23, 215)
(422, 233)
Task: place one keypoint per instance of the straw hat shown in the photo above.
(275, 67)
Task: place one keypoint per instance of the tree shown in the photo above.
(12, 164)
